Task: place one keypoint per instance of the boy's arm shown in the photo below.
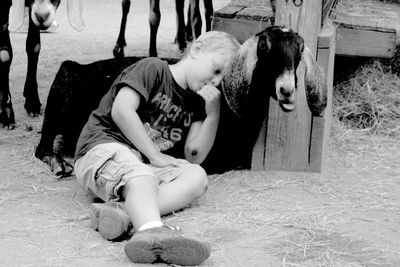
(202, 134)
(124, 114)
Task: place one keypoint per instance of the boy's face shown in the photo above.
(207, 68)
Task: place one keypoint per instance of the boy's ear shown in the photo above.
(195, 48)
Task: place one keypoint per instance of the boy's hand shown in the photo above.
(163, 160)
(212, 97)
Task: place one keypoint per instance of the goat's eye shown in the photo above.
(217, 71)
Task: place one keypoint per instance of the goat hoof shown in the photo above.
(33, 110)
(153, 54)
(59, 166)
(32, 115)
(63, 170)
(9, 126)
(7, 119)
(182, 46)
(181, 51)
(67, 171)
(189, 37)
(118, 51)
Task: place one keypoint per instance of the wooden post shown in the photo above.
(286, 136)
(321, 125)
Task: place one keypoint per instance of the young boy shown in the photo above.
(130, 147)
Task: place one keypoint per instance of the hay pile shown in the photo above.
(370, 100)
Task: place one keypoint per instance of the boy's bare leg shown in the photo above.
(175, 195)
(145, 201)
(114, 220)
(141, 200)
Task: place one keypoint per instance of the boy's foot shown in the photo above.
(166, 244)
(110, 219)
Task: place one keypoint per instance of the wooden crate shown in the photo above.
(294, 141)
(369, 28)
(242, 21)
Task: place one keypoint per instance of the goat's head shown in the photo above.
(269, 60)
(43, 13)
(279, 51)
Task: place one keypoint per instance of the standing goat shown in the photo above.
(191, 31)
(41, 16)
(265, 66)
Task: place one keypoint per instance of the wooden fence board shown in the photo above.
(366, 42)
(321, 125)
(289, 134)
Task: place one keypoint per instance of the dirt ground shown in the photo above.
(347, 216)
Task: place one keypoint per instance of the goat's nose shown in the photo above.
(285, 92)
(42, 17)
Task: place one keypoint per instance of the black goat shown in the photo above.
(41, 16)
(264, 66)
(76, 91)
(191, 31)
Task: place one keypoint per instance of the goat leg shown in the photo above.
(154, 20)
(273, 6)
(61, 120)
(44, 151)
(48, 132)
(6, 112)
(180, 38)
(7, 118)
(188, 26)
(194, 23)
(194, 18)
(208, 13)
(61, 164)
(60, 167)
(32, 102)
(118, 50)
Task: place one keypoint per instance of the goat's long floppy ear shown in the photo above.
(17, 13)
(315, 83)
(236, 83)
(74, 9)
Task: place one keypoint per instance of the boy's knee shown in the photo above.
(199, 178)
(140, 183)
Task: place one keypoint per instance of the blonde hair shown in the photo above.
(216, 42)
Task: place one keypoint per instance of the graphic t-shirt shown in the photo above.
(166, 110)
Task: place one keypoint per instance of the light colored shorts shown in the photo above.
(106, 168)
